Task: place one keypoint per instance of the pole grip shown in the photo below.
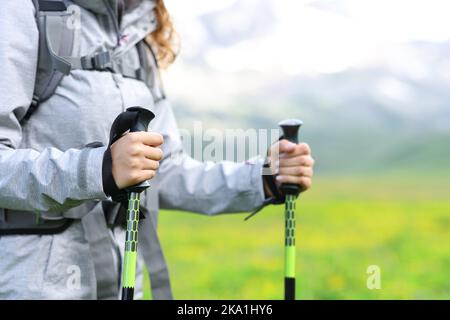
(290, 129)
(142, 118)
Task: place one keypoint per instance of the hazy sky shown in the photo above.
(314, 36)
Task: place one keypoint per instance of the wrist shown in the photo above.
(109, 184)
(271, 189)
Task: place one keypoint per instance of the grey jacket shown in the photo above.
(46, 168)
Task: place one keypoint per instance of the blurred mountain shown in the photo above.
(240, 21)
(383, 117)
(391, 113)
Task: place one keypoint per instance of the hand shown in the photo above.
(292, 163)
(135, 157)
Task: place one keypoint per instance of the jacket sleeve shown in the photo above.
(49, 179)
(204, 187)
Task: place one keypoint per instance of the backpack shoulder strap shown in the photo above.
(149, 71)
(55, 40)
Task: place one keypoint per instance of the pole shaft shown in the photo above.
(289, 247)
(131, 242)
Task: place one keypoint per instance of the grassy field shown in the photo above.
(400, 224)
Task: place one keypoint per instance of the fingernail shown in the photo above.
(278, 178)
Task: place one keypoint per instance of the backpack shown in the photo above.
(56, 42)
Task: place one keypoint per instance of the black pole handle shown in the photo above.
(142, 118)
(290, 128)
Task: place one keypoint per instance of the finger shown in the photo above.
(305, 161)
(304, 182)
(152, 153)
(296, 171)
(285, 146)
(149, 138)
(150, 164)
(300, 149)
(147, 174)
(147, 151)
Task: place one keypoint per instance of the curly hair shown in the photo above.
(164, 38)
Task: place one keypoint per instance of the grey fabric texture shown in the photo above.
(155, 261)
(45, 168)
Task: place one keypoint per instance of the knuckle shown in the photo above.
(151, 174)
(283, 144)
(305, 148)
(132, 137)
(134, 150)
(157, 138)
(303, 160)
(133, 163)
(305, 182)
(139, 150)
(307, 161)
(134, 176)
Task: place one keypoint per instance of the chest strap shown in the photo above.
(101, 61)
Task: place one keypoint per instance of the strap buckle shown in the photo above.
(100, 61)
(34, 101)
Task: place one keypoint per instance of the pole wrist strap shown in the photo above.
(277, 196)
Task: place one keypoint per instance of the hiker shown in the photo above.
(62, 85)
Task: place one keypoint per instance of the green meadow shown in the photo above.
(400, 223)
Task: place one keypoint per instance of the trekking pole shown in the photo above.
(291, 191)
(140, 123)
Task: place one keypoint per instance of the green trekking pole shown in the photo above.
(291, 191)
(140, 123)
